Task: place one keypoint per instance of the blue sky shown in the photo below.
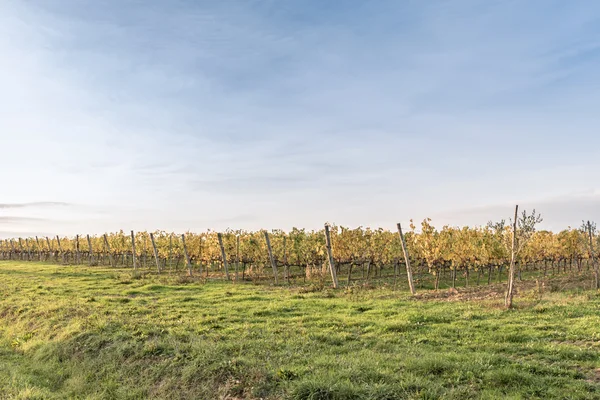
(257, 114)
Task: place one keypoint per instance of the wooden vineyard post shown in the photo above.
(76, 249)
(133, 258)
(28, 249)
(187, 256)
(12, 246)
(91, 255)
(286, 269)
(594, 262)
(202, 238)
(223, 255)
(49, 248)
(143, 256)
(110, 257)
(330, 257)
(39, 249)
(21, 249)
(270, 250)
(171, 252)
(511, 272)
(237, 257)
(155, 252)
(411, 283)
(60, 250)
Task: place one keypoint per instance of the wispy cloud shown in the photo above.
(4, 219)
(35, 204)
(17, 234)
(385, 109)
(558, 212)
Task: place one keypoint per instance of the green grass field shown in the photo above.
(95, 333)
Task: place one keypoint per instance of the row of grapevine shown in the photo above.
(449, 253)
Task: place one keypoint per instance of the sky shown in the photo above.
(248, 114)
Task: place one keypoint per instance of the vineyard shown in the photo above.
(438, 258)
(161, 315)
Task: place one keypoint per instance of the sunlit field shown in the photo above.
(100, 333)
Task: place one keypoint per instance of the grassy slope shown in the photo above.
(80, 332)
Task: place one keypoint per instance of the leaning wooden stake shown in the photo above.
(330, 257)
(14, 252)
(511, 272)
(187, 256)
(411, 283)
(200, 258)
(594, 261)
(39, 248)
(77, 258)
(286, 268)
(62, 254)
(90, 250)
(237, 257)
(143, 257)
(110, 256)
(28, 249)
(21, 249)
(133, 258)
(170, 251)
(271, 259)
(223, 255)
(155, 252)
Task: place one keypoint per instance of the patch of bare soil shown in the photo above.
(463, 294)
(497, 290)
(595, 376)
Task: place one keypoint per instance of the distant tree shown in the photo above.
(523, 231)
(590, 228)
